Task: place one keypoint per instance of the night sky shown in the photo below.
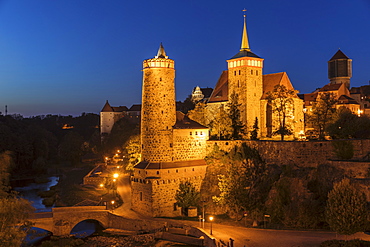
(70, 56)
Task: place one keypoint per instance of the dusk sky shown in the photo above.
(70, 56)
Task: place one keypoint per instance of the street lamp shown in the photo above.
(115, 175)
(211, 219)
(112, 202)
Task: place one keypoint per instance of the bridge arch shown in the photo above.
(87, 227)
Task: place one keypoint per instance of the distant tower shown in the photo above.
(158, 114)
(340, 69)
(245, 79)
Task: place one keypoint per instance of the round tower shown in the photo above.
(158, 114)
(340, 69)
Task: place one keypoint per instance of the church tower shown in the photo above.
(158, 114)
(340, 69)
(245, 80)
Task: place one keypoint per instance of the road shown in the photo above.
(248, 237)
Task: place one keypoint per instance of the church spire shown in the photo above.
(161, 52)
(245, 43)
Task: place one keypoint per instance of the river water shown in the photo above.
(30, 190)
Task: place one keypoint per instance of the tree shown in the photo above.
(220, 126)
(234, 114)
(322, 113)
(70, 148)
(241, 188)
(348, 125)
(346, 210)
(254, 132)
(281, 101)
(5, 166)
(199, 113)
(187, 195)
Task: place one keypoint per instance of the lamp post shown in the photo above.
(211, 219)
(112, 202)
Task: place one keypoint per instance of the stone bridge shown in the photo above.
(62, 220)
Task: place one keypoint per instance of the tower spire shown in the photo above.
(245, 43)
(161, 52)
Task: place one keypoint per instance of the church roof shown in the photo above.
(271, 80)
(245, 53)
(339, 55)
(184, 122)
(220, 93)
(245, 50)
(169, 165)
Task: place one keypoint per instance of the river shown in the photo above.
(30, 190)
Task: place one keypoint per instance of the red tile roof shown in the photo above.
(220, 93)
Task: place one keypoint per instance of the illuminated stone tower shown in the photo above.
(245, 80)
(158, 114)
(340, 69)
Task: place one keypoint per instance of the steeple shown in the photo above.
(245, 42)
(245, 50)
(161, 52)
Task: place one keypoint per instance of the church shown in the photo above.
(173, 147)
(244, 78)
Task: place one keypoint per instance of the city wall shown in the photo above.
(305, 153)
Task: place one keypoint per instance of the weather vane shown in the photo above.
(244, 10)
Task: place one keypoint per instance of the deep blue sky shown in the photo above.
(68, 57)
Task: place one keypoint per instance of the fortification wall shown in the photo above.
(189, 144)
(153, 192)
(310, 153)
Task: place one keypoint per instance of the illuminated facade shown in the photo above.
(245, 79)
(173, 146)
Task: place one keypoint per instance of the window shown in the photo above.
(196, 133)
(191, 133)
(175, 207)
(239, 72)
(251, 71)
(141, 196)
(235, 72)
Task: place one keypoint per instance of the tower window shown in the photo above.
(196, 132)
(239, 72)
(256, 72)
(235, 72)
(251, 71)
(141, 196)
(191, 133)
(160, 79)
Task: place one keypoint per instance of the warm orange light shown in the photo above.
(112, 202)
(101, 185)
(211, 218)
(116, 175)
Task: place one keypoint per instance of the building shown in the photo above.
(244, 78)
(201, 94)
(340, 73)
(109, 115)
(173, 146)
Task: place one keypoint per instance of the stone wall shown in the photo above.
(153, 191)
(311, 153)
(189, 144)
